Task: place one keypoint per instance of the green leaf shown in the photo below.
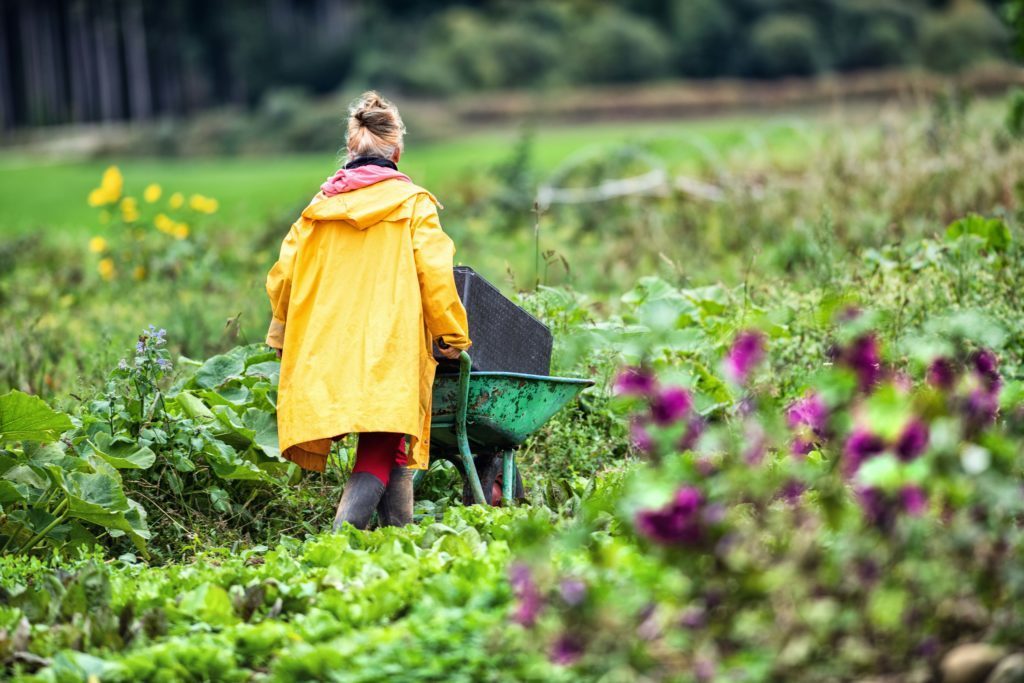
(94, 494)
(218, 370)
(227, 464)
(24, 417)
(886, 607)
(887, 412)
(208, 603)
(265, 427)
(192, 406)
(10, 494)
(122, 452)
(269, 369)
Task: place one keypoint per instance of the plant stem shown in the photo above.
(38, 537)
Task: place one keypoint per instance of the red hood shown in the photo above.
(348, 179)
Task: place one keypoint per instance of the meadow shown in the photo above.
(252, 189)
(801, 459)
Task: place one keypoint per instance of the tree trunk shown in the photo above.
(134, 31)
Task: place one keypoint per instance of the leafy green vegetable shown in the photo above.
(27, 418)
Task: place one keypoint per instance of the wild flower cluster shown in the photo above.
(141, 237)
(865, 518)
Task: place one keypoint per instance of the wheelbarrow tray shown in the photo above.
(504, 408)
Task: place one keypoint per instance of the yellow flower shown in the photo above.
(110, 188)
(139, 273)
(164, 224)
(129, 209)
(97, 245)
(176, 200)
(106, 268)
(152, 193)
(180, 231)
(203, 204)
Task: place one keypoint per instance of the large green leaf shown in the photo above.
(270, 369)
(265, 427)
(24, 417)
(94, 493)
(122, 452)
(227, 464)
(28, 481)
(218, 370)
(192, 405)
(9, 493)
(99, 499)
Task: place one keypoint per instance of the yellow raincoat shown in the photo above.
(362, 288)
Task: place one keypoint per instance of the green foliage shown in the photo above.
(961, 36)
(429, 601)
(785, 44)
(28, 418)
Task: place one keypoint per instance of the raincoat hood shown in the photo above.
(348, 179)
(367, 206)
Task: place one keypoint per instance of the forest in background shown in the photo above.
(76, 61)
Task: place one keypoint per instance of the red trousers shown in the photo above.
(378, 452)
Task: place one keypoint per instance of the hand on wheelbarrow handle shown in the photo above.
(449, 352)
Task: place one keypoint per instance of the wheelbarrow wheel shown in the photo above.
(489, 469)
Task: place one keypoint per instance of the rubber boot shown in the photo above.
(358, 501)
(395, 507)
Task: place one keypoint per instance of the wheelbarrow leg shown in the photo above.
(508, 477)
(465, 365)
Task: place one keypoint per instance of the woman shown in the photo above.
(362, 290)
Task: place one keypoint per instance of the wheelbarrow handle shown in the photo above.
(461, 410)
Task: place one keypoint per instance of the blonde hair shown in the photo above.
(375, 128)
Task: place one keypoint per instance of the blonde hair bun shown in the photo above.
(375, 127)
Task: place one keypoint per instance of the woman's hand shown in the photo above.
(449, 352)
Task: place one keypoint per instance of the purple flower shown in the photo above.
(671, 405)
(634, 382)
(942, 374)
(528, 599)
(874, 505)
(864, 358)
(791, 491)
(982, 407)
(914, 499)
(801, 447)
(809, 411)
(704, 670)
(859, 447)
(140, 347)
(122, 364)
(746, 353)
(693, 618)
(913, 441)
(692, 434)
(573, 591)
(566, 650)
(639, 435)
(987, 365)
(164, 363)
(677, 523)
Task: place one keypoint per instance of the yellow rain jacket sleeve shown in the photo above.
(361, 289)
(435, 252)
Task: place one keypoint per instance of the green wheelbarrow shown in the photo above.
(478, 420)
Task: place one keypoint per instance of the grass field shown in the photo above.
(50, 195)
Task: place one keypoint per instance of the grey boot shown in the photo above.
(358, 500)
(395, 507)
